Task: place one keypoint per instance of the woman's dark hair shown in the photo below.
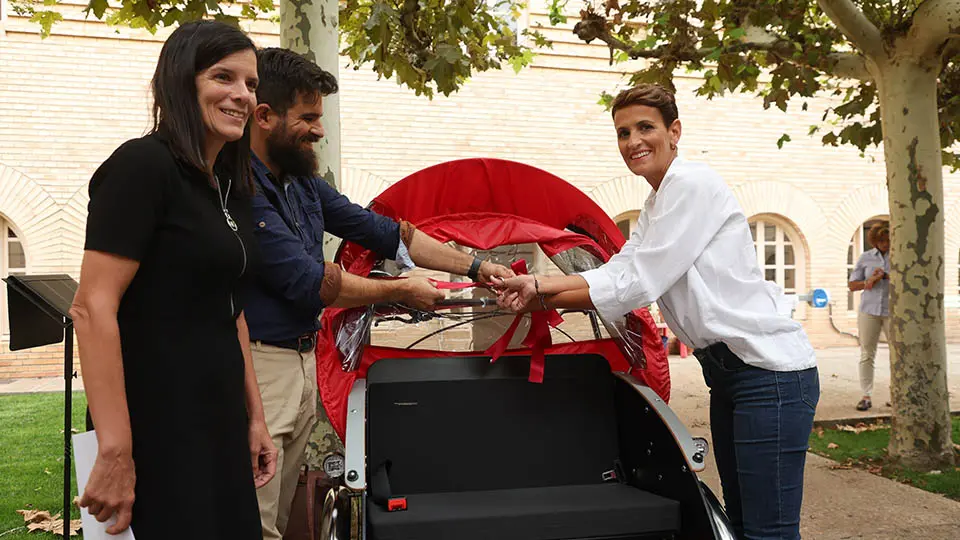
(190, 49)
(651, 95)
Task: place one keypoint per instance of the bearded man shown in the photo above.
(292, 209)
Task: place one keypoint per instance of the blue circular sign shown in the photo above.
(820, 298)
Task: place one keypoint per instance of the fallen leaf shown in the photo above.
(839, 467)
(833, 446)
(861, 427)
(41, 520)
(834, 375)
(935, 472)
(875, 470)
(33, 516)
(820, 432)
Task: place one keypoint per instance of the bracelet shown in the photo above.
(474, 271)
(536, 286)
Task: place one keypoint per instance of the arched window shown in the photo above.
(13, 260)
(627, 222)
(859, 244)
(780, 253)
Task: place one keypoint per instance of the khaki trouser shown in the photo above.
(869, 328)
(288, 387)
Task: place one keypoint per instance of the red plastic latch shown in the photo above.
(396, 504)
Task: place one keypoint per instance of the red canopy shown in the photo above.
(485, 203)
(494, 186)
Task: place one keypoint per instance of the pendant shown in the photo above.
(230, 221)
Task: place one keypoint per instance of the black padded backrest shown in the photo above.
(463, 424)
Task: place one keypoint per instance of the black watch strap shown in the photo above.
(474, 271)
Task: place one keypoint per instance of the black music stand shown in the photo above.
(39, 309)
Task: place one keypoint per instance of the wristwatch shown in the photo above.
(474, 271)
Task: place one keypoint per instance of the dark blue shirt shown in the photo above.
(289, 223)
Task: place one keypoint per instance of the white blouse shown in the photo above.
(692, 253)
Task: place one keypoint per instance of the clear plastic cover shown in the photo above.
(352, 335)
(626, 331)
(476, 327)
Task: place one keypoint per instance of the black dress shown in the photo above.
(182, 361)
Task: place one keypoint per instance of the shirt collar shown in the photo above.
(260, 170)
(671, 171)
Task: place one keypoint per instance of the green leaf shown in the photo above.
(46, 20)
(783, 139)
(449, 53)
(716, 84)
(520, 62)
(555, 12)
(737, 33)
(98, 7)
(606, 100)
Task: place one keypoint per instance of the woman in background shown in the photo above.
(870, 275)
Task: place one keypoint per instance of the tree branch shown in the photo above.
(849, 65)
(855, 26)
(935, 23)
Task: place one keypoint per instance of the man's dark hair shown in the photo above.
(284, 75)
(190, 49)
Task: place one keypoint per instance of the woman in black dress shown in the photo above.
(164, 344)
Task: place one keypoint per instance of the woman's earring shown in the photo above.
(673, 146)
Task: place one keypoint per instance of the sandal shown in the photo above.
(864, 404)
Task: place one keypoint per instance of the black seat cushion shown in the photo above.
(463, 424)
(546, 513)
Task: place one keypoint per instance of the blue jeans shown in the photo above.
(761, 422)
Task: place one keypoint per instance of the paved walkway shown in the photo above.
(841, 504)
(838, 504)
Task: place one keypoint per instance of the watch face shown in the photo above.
(334, 465)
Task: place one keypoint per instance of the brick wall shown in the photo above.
(68, 101)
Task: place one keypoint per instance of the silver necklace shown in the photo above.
(223, 202)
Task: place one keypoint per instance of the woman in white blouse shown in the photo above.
(692, 253)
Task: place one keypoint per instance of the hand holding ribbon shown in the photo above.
(538, 338)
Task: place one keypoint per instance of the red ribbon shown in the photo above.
(455, 286)
(538, 337)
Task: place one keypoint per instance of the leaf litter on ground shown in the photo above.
(41, 520)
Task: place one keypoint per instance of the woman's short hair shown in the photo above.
(284, 75)
(878, 231)
(651, 95)
(190, 49)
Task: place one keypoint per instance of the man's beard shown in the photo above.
(285, 151)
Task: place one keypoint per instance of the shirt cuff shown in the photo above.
(603, 295)
(403, 259)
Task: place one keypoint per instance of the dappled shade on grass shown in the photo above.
(865, 447)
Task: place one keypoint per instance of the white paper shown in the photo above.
(84, 455)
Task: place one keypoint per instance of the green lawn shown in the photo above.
(868, 450)
(31, 458)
